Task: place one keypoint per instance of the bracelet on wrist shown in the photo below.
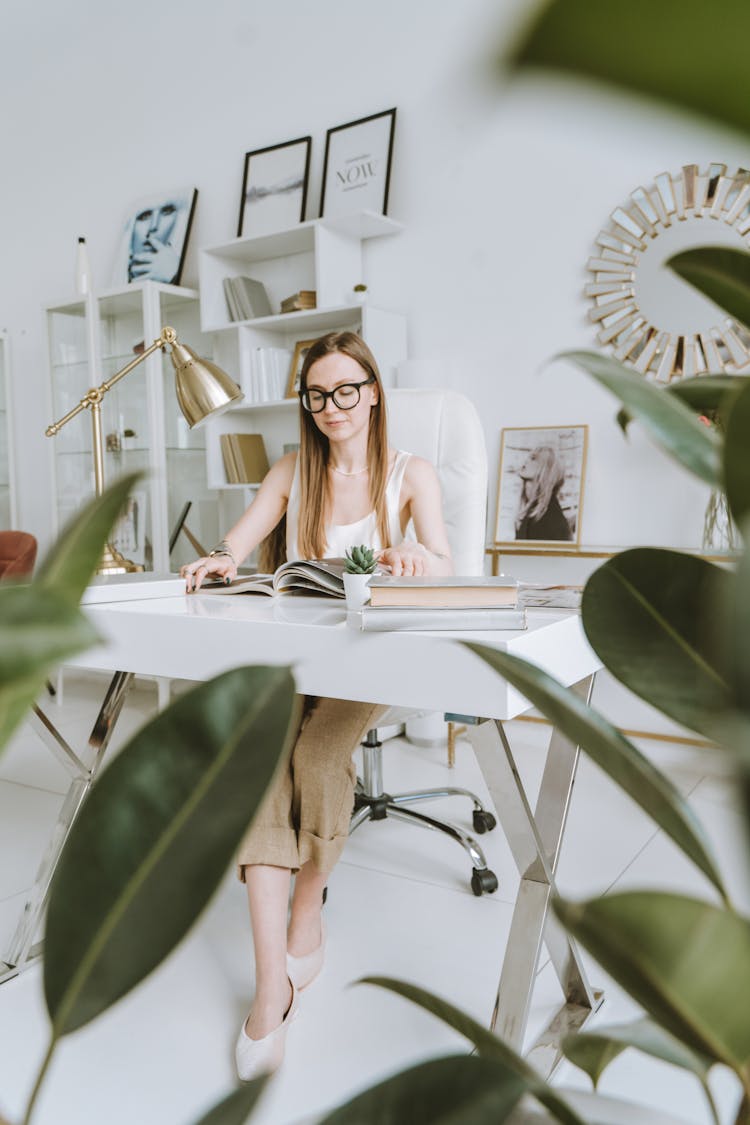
(222, 549)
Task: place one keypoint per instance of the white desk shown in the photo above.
(197, 637)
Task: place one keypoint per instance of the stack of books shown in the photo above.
(245, 460)
(265, 374)
(305, 299)
(246, 298)
(453, 603)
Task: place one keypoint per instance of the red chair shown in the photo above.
(17, 554)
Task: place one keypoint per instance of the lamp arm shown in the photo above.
(96, 394)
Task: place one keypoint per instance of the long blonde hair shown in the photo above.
(537, 492)
(315, 487)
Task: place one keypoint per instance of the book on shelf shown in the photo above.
(316, 576)
(132, 587)
(446, 592)
(265, 374)
(245, 459)
(395, 619)
(246, 298)
(535, 595)
(304, 299)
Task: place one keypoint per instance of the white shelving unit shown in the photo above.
(8, 513)
(144, 402)
(326, 255)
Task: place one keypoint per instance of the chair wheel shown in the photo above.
(483, 881)
(483, 821)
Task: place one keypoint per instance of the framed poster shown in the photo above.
(357, 166)
(540, 485)
(274, 187)
(154, 237)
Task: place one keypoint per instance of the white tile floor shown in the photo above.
(399, 904)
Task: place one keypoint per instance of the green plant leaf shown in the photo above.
(590, 40)
(684, 961)
(236, 1108)
(489, 1046)
(447, 1091)
(721, 273)
(37, 631)
(593, 1051)
(652, 617)
(671, 424)
(736, 460)
(156, 835)
(73, 559)
(619, 758)
(704, 394)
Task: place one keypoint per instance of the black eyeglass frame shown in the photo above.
(332, 395)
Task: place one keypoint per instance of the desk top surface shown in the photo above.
(195, 637)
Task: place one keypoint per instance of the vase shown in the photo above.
(357, 590)
(719, 530)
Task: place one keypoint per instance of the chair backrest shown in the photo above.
(444, 427)
(17, 554)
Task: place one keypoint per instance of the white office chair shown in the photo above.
(444, 427)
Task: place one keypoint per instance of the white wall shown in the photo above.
(502, 189)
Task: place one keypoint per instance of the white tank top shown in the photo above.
(341, 536)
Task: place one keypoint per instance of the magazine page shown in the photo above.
(318, 576)
(245, 584)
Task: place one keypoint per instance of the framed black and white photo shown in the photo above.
(274, 187)
(154, 237)
(540, 485)
(357, 166)
(301, 348)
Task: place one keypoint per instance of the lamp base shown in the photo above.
(112, 562)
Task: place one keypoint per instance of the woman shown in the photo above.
(539, 513)
(347, 486)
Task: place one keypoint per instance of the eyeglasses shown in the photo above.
(345, 397)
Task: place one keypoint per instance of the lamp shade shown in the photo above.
(203, 389)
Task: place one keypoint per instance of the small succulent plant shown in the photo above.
(360, 560)
(360, 288)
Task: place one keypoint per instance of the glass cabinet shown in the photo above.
(143, 428)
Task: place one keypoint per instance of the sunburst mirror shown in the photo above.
(652, 319)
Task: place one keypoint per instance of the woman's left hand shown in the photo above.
(408, 558)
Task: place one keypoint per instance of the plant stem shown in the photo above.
(711, 1103)
(39, 1079)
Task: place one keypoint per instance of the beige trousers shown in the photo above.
(305, 813)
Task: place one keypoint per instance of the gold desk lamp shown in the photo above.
(203, 389)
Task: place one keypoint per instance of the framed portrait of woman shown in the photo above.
(540, 485)
(154, 237)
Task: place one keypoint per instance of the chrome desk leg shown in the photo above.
(535, 839)
(21, 947)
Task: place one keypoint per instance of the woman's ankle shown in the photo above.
(305, 933)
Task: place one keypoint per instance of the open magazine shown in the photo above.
(318, 576)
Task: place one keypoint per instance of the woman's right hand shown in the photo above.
(217, 567)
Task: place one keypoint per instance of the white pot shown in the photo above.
(357, 590)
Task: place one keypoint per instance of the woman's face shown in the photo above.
(329, 372)
(530, 468)
(158, 221)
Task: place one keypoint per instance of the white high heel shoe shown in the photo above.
(302, 971)
(263, 1056)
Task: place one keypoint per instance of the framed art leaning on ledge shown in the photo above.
(540, 485)
(274, 187)
(357, 166)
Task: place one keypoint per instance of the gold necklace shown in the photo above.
(344, 473)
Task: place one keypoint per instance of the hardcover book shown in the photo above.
(449, 592)
(401, 618)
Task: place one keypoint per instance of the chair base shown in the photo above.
(372, 803)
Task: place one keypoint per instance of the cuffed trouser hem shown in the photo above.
(282, 848)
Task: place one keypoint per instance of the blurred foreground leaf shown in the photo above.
(653, 617)
(671, 424)
(612, 752)
(684, 961)
(678, 51)
(721, 273)
(236, 1108)
(156, 835)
